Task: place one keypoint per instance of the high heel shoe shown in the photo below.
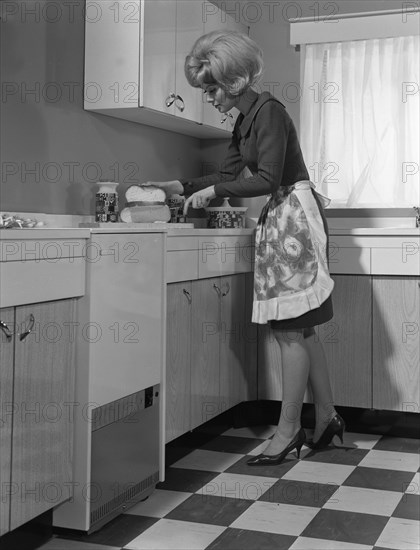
(335, 426)
(271, 460)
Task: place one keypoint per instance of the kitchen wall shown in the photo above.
(268, 21)
(52, 151)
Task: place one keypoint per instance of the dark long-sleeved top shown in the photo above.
(265, 140)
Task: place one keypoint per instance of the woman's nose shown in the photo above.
(209, 99)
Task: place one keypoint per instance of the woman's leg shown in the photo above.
(295, 361)
(320, 385)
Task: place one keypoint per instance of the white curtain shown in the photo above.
(360, 118)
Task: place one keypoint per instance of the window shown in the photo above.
(360, 118)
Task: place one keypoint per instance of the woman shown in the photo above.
(292, 286)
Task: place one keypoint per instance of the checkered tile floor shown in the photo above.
(359, 496)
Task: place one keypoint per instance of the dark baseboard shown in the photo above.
(265, 412)
(29, 536)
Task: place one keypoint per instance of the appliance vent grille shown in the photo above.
(117, 410)
(124, 497)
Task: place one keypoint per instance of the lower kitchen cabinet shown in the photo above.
(41, 409)
(178, 359)
(6, 397)
(396, 343)
(205, 350)
(211, 350)
(346, 340)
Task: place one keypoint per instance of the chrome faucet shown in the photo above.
(417, 209)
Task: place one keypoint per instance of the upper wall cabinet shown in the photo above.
(134, 63)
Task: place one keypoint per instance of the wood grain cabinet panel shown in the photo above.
(43, 403)
(237, 368)
(6, 408)
(178, 359)
(346, 340)
(205, 349)
(396, 343)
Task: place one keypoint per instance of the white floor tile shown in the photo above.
(168, 534)
(212, 461)
(319, 472)
(358, 441)
(413, 488)
(258, 432)
(401, 534)
(238, 486)
(364, 501)
(391, 460)
(271, 517)
(307, 543)
(160, 503)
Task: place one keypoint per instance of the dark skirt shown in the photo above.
(317, 316)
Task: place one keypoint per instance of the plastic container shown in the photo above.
(106, 202)
(226, 216)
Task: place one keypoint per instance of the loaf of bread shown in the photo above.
(145, 194)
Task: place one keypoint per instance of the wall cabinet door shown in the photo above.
(396, 343)
(42, 421)
(6, 408)
(205, 349)
(189, 27)
(157, 55)
(216, 19)
(178, 359)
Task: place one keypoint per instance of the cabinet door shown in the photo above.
(237, 380)
(178, 359)
(189, 27)
(205, 377)
(6, 396)
(43, 397)
(157, 55)
(396, 342)
(217, 19)
(346, 340)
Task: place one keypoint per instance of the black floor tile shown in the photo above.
(299, 493)
(184, 479)
(346, 526)
(408, 508)
(242, 539)
(348, 456)
(210, 509)
(232, 444)
(118, 532)
(241, 467)
(379, 478)
(398, 444)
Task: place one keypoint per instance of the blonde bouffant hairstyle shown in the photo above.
(229, 59)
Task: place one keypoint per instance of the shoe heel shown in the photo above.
(298, 448)
(340, 435)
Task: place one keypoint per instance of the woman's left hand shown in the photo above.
(200, 199)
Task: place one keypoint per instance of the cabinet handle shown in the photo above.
(6, 330)
(29, 329)
(187, 294)
(175, 98)
(227, 290)
(182, 106)
(219, 292)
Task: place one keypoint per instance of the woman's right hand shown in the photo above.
(173, 187)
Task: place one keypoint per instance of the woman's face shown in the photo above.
(219, 98)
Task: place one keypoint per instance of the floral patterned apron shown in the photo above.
(291, 274)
